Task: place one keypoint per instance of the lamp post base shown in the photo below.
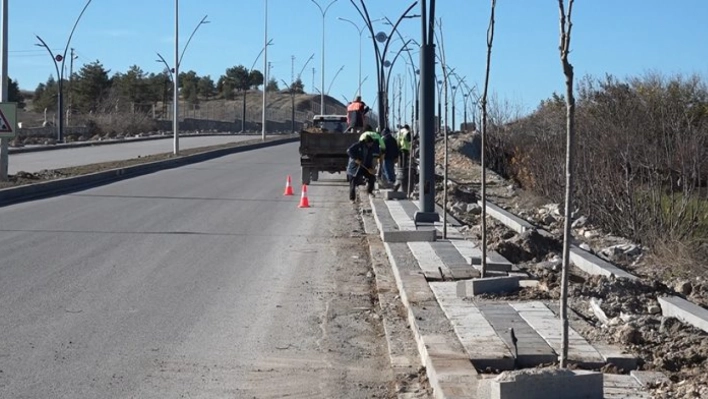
(426, 217)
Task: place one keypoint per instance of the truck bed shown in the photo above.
(326, 144)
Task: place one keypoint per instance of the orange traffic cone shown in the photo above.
(288, 187)
(304, 202)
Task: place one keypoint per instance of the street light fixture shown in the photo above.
(245, 91)
(174, 72)
(360, 30)
(324, 14)
(56, 59)
(381, 37)
(334, 78)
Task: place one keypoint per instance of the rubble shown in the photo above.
(634, 318)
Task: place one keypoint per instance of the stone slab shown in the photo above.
(481, 342)
(544, 321)
(393, 195)
(532, 348)
(623, 386)
(649, 378)
(614, 355)
(407, 236)
(554, 384)
(591, 264)
(399, 214)
(487, 285)
(427, 258)
(673, 306)
(491, 265)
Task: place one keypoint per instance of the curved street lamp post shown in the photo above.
(56, 59)
(385, 39)
(324, 14)
(174, 72)
(245, 92)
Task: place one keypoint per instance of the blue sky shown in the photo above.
(620, 37)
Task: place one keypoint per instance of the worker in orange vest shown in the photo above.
(356, 111)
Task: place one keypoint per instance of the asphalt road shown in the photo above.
(62, 158)
(195, 282)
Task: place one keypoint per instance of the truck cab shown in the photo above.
(330, 123)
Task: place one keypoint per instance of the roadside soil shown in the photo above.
(634, 317)
(21, 178)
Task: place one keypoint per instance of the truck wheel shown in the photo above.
(315, 175)
(306, 176)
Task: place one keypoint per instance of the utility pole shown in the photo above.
(4, 83)
(426, 184)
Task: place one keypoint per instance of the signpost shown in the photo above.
(8, 120)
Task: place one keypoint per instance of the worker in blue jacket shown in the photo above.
(361, 166)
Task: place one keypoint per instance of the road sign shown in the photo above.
(8, 120)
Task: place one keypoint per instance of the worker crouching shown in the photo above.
(361, 165)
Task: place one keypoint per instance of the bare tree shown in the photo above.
(490, 40)
(565, 28)
(446, 162)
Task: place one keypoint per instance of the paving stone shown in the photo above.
(487, 285)
(622, 386)
(649, 378)
(532, 348)
(544, 321)
(547, 384)
(428, 259)
(393, 195)
(484, 347)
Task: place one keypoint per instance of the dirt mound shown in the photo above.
(527, 246)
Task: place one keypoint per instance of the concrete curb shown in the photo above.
(81, 144)
(404, 358)
(582, 259)
(450, 372)
(52, 188)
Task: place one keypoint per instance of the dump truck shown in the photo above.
(323, 146)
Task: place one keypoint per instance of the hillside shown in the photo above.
(279, 108)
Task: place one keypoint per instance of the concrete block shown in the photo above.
(487, 285)
(492, 265)
(673, 306)
(512, 221)
(394, 195)
(407, 236)
(547, 384)
(591, 264)
(649, 378)
(614, 355)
